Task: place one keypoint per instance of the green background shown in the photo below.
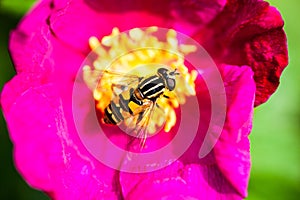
(275, 139)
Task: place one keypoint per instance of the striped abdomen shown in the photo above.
(113, 113)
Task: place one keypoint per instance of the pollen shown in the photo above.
(137, 52)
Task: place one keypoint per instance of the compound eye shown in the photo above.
(162, 71)
(171, 84)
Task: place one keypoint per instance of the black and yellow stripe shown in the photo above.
(152, 87)
(113, 113)
(149, 88)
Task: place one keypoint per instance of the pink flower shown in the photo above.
(245, 39)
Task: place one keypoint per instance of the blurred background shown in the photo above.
(275, 139)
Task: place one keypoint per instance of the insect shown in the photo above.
(135, 99)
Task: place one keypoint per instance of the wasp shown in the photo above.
(140, 101)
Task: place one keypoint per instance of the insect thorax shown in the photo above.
(152, 87)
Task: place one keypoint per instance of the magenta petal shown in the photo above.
(222, 174)
(249, 33)
(178, 181)
(191, 16)
(74, 22)
(31, 136)
(32, 33)
(232, 151)
(46, 150)
(198, 13)
(19, 85)
(36, 49)
(97, 18)
(267, 55)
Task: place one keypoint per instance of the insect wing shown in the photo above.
(142, 124)
(117, 82)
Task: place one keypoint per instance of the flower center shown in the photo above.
(140, 52)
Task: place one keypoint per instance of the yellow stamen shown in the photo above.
(140, 62)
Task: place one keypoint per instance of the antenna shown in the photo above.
(174, 72)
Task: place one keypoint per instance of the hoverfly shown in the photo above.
(135, 98)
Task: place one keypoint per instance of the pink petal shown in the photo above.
(48, 152)
(191, 16)
(29, 44)
(254, 38)
(192, 181)
(75, 21)
(19, 85)
(267, 55)
(35, 49)
(232, 151)
(97, 18)
(62, 166)
(30, 131)
(224, 173)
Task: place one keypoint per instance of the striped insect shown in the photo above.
(135, 99)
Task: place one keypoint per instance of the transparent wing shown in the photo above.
(118, 82)
(105, 80)
(142, 124)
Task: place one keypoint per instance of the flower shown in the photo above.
(139, 52)
(245, 39)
